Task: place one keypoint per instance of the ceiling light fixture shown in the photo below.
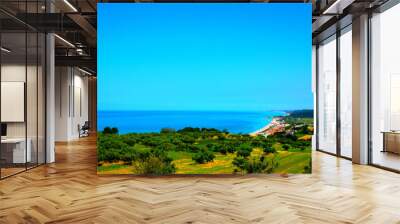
(70, 5)
(5, 50)
(333, 6)
(64, 40)
(79, 51)
(84, 71)
(337, 7)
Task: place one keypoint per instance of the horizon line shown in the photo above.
(284, 110)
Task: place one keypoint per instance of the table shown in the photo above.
(391, 141)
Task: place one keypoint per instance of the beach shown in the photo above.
(277, 124)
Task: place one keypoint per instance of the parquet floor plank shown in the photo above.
(69, 191)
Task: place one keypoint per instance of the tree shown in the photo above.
(223, 150)
(244, 150)
(229, 147)
(243, 153)
(155, 166)
(285, 147)
(203, 157)
(114, 130)
(166, 146)
(268, 149)
(273, 164)
(240, 162)
(107, 130)
(188, 139)
(291, 136)
(257, 165)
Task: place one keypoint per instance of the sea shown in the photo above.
(154, 121)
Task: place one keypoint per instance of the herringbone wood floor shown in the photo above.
(69, 191)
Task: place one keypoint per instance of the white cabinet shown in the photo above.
(19, 154)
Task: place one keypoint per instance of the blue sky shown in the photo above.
(240, 57)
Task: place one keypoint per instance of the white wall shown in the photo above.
(80, 111)
(62, 82)
(15, 72)
(71, 102)
(33, 127)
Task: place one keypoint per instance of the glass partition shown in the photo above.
(385, 89)
(31, 99)
(41, 88)
(23, 91)
(327, 95)
(14, 151)
(346, 92)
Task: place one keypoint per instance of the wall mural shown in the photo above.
(204, 88)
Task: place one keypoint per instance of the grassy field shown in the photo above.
(291, 161)
(206, 151)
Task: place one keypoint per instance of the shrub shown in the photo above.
(167, 146)
(114, 130)
(268, 149)
(273, 164)
(285, 147)
(154, 165)
(240, 162)
(128, 157)
(203, 157)
(243, 153)
(291, 137)
(223, 150)
(244, 150)
(188, 129)
(188, 139)
(257, 165)
(108, 130)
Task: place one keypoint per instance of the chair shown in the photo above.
(84, 130)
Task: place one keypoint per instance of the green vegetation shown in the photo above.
(203, 157)
(108, 130)
(206, 151)
(302, 113)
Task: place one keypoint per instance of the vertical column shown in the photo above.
(50, 98)
(338, 109)
(360, 90)
(92, 101)
(50, 91)
(62, 103)
(316, 98)
(314, 91)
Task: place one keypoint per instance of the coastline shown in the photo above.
(277, 124)
(236, 122)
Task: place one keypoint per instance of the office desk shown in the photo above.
(391, 141)
(13, 150)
